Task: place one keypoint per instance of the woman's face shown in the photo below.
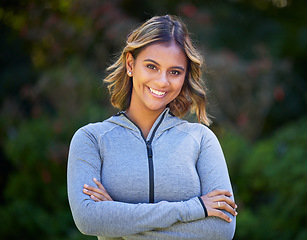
(158, 73)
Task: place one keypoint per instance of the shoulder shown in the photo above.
(197, 130)
(95, 130)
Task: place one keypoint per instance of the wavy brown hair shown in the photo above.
(161, 29)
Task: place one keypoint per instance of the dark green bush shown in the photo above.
(270, 179)
(34, 199)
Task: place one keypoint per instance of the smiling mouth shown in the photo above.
(159, 93)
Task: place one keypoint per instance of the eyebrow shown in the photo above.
(150, 60)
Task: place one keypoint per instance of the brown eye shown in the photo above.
(150, 66)
(175, 72)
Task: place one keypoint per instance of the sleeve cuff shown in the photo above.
(204, 207)
(194, 210)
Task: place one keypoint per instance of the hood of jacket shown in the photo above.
(165, 121)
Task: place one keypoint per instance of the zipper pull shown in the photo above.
(149, 149)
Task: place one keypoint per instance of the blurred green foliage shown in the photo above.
(270, 178)
(52, 61)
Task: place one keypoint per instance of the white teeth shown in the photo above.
(157, 92)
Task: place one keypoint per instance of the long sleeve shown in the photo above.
(213, 173)
(111, 218)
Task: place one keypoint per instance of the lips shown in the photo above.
(157, 92)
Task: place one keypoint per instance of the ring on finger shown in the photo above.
(219, 205)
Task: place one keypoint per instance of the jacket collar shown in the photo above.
(168, 121)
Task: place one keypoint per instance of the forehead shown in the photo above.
(164, 53)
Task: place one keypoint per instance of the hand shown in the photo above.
(97, 194)
(217, 200)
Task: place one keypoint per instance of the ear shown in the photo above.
(129, 62)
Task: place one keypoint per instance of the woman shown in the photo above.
(145, 173)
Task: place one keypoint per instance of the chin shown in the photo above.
(156, 108)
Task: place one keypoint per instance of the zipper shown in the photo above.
(149, 156)
(151, 173)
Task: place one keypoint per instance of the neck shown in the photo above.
(144, 119)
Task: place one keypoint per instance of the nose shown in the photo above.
(162, 80)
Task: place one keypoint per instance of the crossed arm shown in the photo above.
(95, 213)
(214, 201)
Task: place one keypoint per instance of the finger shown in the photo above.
(95, 189)
(223, 198)
(103, 189)
(98, 190)
(95, 194)
(99, 184)
(217, 192)
(227, 207)
(95, 198)
(88, 192)
(98, 196)
(221, 215)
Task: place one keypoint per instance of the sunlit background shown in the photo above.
(53, 59)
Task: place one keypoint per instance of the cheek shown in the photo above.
(178, 85)
(141, 77)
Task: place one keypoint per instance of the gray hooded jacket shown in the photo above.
(155, 182)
